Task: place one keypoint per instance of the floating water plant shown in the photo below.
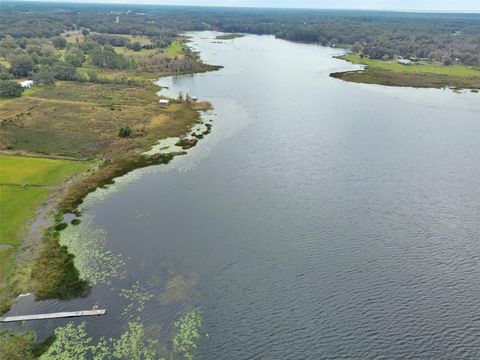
(188, 333)
(72, 343)
(94, 262)
(141, 214)
(138, 296)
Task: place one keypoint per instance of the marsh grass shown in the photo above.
(391, 73)
(54, 274)
(82, 120)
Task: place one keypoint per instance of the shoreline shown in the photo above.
(391, 73)
(69, 194)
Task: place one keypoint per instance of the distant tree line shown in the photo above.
(380, 35)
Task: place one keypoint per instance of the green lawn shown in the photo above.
(17, 207)
(24, 184)
(15, 170)
(421, 68)
(174, 49)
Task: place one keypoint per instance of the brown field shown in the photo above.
(81, 120)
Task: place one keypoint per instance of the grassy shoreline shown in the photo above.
(62, 281)
(421, 75)
(77, 122)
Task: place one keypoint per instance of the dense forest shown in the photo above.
(444, 38)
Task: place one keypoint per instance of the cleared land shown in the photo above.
(393, 73)
(174, 49)
(81, 120)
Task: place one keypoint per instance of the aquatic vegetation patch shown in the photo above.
(138, 296)
(178, 288)
(94, 262)
(141, 214)
(188, 333)
(72, 342)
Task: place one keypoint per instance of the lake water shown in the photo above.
(319, 219)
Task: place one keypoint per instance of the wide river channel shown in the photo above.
(319, 219)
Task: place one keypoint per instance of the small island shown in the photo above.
(229, 36)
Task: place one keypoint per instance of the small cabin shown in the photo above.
(164, 102)
(26, 84)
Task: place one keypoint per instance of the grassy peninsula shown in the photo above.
(412, 74)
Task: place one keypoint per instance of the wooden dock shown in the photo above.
(59, 315)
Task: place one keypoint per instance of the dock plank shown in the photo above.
(59, 315)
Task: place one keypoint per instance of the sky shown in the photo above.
(401, 5)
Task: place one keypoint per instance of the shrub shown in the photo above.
(9, 88)
(59, 42)
(21, 65)
(125, 132)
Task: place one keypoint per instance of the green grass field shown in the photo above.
(17, 206)
(174, 49)
(26, 171)
(25, 183)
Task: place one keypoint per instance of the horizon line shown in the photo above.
(126, 3)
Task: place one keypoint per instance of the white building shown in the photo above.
(164, 102)
(405, 61)
(26, 84)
